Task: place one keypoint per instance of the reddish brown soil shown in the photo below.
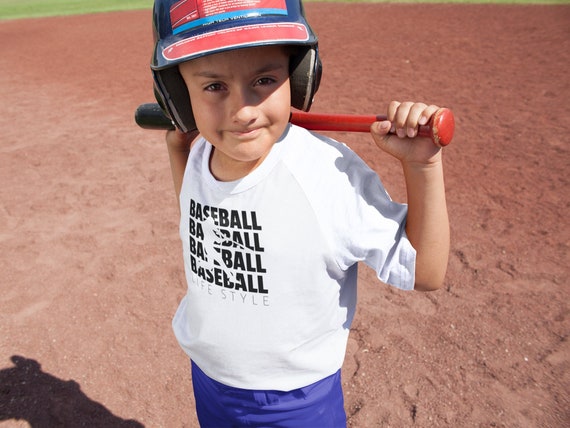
(91, 267)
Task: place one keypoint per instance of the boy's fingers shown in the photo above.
(427, 113)
(404, 116)
(415, 116)
(392, 110)
(381, 128)
(407, 116)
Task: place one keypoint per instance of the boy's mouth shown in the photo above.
(246, 133)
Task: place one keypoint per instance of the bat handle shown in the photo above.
(440, 127)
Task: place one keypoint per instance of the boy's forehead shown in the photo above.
(240, 58)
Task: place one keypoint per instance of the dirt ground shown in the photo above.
(91, 268)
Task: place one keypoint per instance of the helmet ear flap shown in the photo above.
(172, 94)
(305, 77)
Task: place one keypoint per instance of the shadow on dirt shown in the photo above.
(29, 394)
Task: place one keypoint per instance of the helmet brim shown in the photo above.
(236, 38)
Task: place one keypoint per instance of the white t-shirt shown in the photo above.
(271, 261)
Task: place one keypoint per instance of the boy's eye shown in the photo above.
(264, 81)
(213, 87)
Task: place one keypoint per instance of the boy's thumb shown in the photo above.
(381, 129)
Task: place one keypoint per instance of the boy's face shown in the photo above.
(241, 101)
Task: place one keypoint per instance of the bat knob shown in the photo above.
(442, 127)
(151, 116)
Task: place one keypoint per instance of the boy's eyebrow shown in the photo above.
(264, 69)
(270, 67)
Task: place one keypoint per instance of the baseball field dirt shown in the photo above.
(91, 267)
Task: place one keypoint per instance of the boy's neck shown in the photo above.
(226, 169)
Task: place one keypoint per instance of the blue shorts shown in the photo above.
(318, 405)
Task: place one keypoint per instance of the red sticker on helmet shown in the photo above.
(248, 35)
(184, 12)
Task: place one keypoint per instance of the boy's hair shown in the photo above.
(188, 29)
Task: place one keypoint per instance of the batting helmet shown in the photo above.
(188, 29)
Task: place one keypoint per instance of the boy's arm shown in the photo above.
(427, 224)
(178, 144)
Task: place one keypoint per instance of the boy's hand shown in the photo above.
(179, 141)
(398, 134)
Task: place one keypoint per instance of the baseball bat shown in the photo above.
(440, 128)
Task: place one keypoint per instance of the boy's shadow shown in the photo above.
(27, 393)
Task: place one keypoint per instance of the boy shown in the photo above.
(274, 219)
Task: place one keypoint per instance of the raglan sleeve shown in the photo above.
(370, 226)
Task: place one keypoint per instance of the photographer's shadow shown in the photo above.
(27, 393)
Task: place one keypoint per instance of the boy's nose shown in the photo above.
(244, 107)
(246, 115)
